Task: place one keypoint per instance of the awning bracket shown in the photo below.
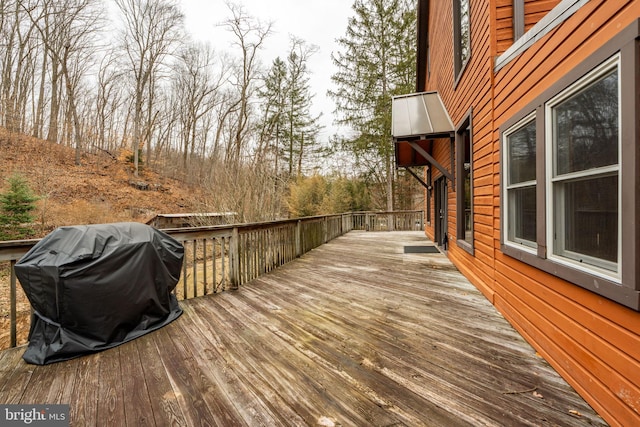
(431, 160)
(415, 175)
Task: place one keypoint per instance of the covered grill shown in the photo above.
(94, 287)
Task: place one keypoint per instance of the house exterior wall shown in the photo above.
(591, 340)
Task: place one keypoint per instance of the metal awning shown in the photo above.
(417, 120)
(419, 116)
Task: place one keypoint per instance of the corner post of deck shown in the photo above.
(234, 249)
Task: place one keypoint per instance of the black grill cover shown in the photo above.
(94, 287)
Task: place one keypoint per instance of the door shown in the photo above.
(440, 207)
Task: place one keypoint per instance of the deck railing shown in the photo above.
(216, 258)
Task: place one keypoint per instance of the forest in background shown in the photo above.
(121, 83)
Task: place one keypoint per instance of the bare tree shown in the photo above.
(197, 89)
(18, 58)
(250, 34)
(151, 30)
(67, 29)
(107, 100)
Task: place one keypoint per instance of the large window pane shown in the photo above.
(522, 215)
(586, 213)
(522, 154)
(586, 127)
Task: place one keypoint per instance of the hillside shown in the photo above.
(101, 189)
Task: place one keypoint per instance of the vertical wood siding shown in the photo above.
(593, 342)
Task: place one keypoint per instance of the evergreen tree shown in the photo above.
(16, 205)
(376, 61)
(274, 95)
(302, 127)
(288, 127)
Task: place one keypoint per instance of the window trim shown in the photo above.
(626, 291)
(465, 124)
(459, 64)
(518, 19)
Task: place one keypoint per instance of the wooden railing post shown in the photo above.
(234, 258)
(12, 296)
(298, 238)
(325, 229)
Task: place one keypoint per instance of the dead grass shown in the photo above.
(96, 191)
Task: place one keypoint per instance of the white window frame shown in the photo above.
(595, 266)
(522, 244)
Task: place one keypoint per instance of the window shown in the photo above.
(570, 204)
(464, 183)
(461, 35)
(520, 194)
(583, 168)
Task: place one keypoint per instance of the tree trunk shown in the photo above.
(37, 128)
(52, 133)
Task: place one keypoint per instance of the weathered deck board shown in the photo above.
(353, 333)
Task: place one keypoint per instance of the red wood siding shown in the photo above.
(592, 341)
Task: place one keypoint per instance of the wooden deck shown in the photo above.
(354, 333)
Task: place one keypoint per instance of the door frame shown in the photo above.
(441, 212)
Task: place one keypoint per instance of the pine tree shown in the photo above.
(288, 126)
(376, 61)
(16, 205)
(303, 127)
(273, 95)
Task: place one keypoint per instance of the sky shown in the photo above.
(316, 22)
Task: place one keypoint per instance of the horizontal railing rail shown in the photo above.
(216, 258)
